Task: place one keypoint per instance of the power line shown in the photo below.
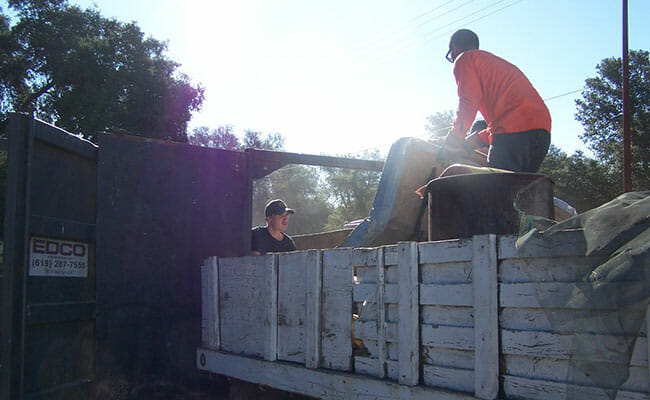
(564, 94)
(410, 44)
(478, 19)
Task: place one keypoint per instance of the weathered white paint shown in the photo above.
(454, 250)
(450, 337)
(447, 315)
(210, 303)
(271, 321)
(368, 292)
(558, 370)
(381, 314)
(449, 378)
(409, 335)
(546, 269)
(486, 317)
(336, 307)
(544, 390)
(449, 300)
(292, 306)
(537, 319)
(447, 272)
(554, 295)
(547, 344)
(452, 358)
(244, 304)
(313, 325)
(315, 382)
(452, 294)
(570, 243)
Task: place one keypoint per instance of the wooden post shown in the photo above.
(409, 329)
(210, 303)
(647, 334)
(486, 317)
(313, 309)
(381, 313)
(271, 323)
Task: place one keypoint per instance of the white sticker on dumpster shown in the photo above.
(53, 257)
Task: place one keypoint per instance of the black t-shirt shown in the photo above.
(263, 242)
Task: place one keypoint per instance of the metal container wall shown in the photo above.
(465, 205)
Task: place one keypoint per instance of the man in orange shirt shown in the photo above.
(519, 123)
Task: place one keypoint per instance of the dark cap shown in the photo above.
(276, 207)
(464, 39)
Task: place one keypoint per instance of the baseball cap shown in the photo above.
(277, 207)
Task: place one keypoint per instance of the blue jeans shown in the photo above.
(519, 152)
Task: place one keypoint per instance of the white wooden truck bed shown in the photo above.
(435, 320)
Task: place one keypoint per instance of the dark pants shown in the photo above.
(519, 152)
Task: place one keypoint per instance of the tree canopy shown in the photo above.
(88, 74)
(600, 110)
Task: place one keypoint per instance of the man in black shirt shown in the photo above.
(271, 238)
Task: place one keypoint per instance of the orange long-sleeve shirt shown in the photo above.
(508, 101)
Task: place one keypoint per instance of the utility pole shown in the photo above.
(627, 162)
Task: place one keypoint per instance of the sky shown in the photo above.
(342, 77)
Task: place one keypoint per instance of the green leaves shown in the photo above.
(601, 113)
(89, 74)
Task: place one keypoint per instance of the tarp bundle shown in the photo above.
(610, 299)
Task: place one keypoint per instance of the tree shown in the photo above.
(601, 109)
(583, 182)
(88, 74)
(352, 191)
(299, 186)
(438, 124)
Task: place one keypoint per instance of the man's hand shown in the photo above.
(453, 143)
(457, 145)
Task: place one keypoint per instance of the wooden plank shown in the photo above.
(313, 316)
(451, 358)
(206, 302)
(449, 378)
(316, 382)
(362, 257)
(366, 292)
(271, 321)
(546, 269)
(448, 315)
(293, 317)
(210, 303)
(381, 314)
(266, 161)
(461, 294)
(486, 317)
(557, 370)
(546, 344)
(390, 255)
(409, 338)
(567, 321)
(554, 295)
(447, 272)
(518, 387)
(568, 243)
(372, 367)
(244, 300)
(449, 337)
(336, 310)
(443, 251)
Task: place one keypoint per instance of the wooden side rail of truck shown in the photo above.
(467, 318)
